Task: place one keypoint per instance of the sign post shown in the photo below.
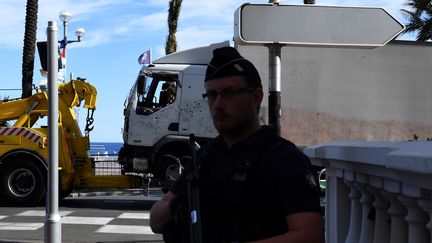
(275, 25)
(274, 99)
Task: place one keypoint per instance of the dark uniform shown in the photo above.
(247, 190)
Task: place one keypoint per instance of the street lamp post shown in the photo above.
(65, 16)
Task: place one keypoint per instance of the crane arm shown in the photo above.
(75, 91)
(20, 109)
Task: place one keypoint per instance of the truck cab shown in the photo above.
(165, 106)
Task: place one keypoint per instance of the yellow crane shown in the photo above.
(23, 147)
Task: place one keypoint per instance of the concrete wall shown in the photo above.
(352, 94)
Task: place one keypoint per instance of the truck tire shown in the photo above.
(65, 193)
(167, 168)
(23, 183)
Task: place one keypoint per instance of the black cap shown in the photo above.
(227, 61)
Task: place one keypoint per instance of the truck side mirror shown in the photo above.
(141, 84)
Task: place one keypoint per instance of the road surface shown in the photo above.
(109, 216)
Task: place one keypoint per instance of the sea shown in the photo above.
(104, 148)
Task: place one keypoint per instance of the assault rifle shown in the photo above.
(193, 195)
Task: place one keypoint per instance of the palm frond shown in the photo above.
(419, 16)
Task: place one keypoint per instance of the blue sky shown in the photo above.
(117, 32)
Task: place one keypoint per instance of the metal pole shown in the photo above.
(274, 100)
(64, 30)
(52, 216)
(65, 23)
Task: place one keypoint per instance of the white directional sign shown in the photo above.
(311, 25)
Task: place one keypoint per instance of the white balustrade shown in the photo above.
(381, 205)
(340, 206)
(355, 218)
(398, 225)
(367, 225)
(427, 206)
(377, 191)
(416, 219)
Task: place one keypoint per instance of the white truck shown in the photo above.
(327, 94)
(163, 108)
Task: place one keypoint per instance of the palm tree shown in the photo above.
(309, 1)
(173, 14)
(29, 47)
(419, 16)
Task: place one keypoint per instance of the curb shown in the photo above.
(156, 192)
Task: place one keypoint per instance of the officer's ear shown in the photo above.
(258, 97)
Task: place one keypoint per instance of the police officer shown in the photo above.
(254, 185)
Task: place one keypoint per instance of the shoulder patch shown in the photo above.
(311, 180)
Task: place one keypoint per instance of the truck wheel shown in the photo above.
(168, 168)
(65, 193)
(23, 183)
(185, 160)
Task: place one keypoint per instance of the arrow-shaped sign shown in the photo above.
(311, 25)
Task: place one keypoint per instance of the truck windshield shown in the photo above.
(156, 91)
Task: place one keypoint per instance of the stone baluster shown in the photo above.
(398, 226)
(337, 205)
(355, 217)
(381, 205)
(367, 225)
(416, 219)
(427, 206)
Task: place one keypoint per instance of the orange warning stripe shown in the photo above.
(21, 131)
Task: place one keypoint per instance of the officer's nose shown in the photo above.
(219, 102)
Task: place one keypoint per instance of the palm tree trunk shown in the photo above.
(29, 47)
(173, 15)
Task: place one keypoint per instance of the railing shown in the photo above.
(377, 191)
(106, 164)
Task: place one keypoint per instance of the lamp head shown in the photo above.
(80, 32)
(65, 16)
